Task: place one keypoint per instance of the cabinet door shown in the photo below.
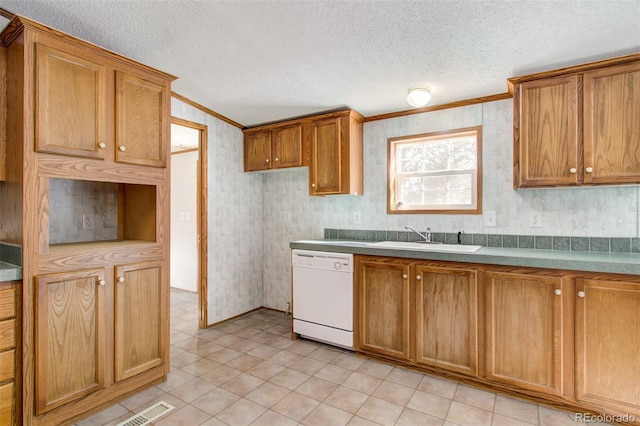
(446, 318)
(140, 334)
(257, 151)
(325, 170)
(70, 103)
(287, 146)
(612, 124)
(71, 325)
(547, 145)
(384, 308)
(524, 331)
(142, 121)
(608, 344)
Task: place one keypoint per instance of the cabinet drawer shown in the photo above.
(6, 404)
(7, 334)
(7, 369)
(7, 303)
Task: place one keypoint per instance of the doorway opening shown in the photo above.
(189, 211)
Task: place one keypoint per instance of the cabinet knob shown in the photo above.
(558, 292)
(588, 169)
(275, 159)
(122, 148)
(102, 145)
(405, 276)
(102, 282)
(573, 170)
(120, 279)
(581, 293)
(313, 185)
(266, 160)
(418, 277)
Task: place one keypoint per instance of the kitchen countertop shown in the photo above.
(620, 263)
(10, 272)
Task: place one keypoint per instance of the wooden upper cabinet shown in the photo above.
(273, 149)
(89, 105)
(257, 151)
(384, 307)
(71, 103)
(141, 337)
(524, 331)
(71, 331)
(142, 120)
(608, 344)
(446, 320)
(612, 124)
(578, 126)
(287, 146)
(548, 137)
(336, 156)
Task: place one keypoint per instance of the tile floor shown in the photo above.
(249, 372)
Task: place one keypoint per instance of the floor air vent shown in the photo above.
(148, 415)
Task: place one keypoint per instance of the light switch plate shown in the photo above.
(490, 218)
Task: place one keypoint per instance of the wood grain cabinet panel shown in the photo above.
(287, 146)
(140, 332)
(608, 344)
(548, 144)
(142, 120)
(384, 308)
(71, 102)
(612, 125)
(524, 331)
(257, 151)
(7, 395)
(446, 320)
(71, 327)
(579, 126)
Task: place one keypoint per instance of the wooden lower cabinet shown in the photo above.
(71, 326)
(96, 328)
(608, 344)
(9, 354)
(384, 308)
(524, 335)
(446, 317)
(139, 332)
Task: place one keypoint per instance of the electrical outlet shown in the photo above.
(88, 221)
(535, 220)
(357, 217)
(490, 218)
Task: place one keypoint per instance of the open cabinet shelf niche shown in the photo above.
(90, 212)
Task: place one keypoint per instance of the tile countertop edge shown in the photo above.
(619, 263)
(10, 272)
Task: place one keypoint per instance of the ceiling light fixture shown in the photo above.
(418, 96)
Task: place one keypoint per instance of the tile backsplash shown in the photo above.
(538, 242)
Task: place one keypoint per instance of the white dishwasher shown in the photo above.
(323, 296)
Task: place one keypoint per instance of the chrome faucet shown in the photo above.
(427, 236)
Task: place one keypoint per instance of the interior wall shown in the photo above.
(235, 220)
(184, 221)
(70, 199)
(291, 214)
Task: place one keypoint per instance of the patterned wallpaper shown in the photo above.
(70, 199)
(290, 214)
(235, 220)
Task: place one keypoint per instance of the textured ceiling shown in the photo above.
(260, 61)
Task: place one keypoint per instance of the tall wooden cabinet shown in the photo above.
(578, 126)
(95, 324)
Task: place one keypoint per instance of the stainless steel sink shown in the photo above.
(449, 248)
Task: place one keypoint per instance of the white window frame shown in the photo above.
(396, 206)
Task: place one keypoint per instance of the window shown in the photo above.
(436, 172)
